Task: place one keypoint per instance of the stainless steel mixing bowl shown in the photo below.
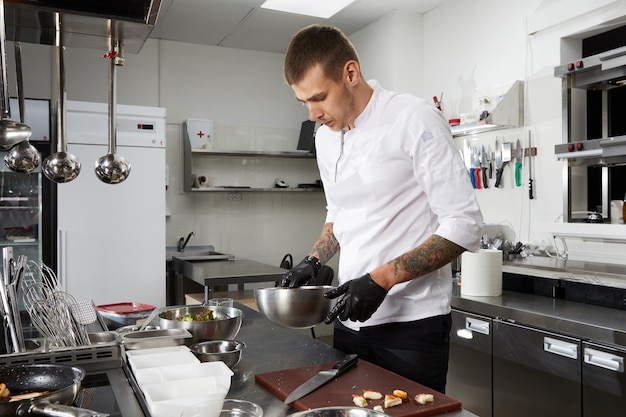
(227, 351)
(295, 308)
(225, 327)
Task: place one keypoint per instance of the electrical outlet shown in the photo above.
(234, 196)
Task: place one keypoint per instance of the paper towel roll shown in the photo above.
(481, 273)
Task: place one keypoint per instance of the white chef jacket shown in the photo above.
(390, 183)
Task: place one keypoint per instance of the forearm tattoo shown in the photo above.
(434, 253)
(326, 245)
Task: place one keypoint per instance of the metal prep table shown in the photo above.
(271, 348)
(213, 273)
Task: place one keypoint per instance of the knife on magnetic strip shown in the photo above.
(321, 378)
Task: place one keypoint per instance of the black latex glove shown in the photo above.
(302, 274)
(362, 298)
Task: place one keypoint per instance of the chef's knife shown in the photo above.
(321, 378)
(519, 155)
(483, 166)
(499, 163)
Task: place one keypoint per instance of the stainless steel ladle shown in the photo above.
(23, 157)
(113, 168)
(11, 133)
(61, 166)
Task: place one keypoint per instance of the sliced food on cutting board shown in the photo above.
(359, 400)
(370, 394)
(353, 386)
(392, 401)
(424, 398)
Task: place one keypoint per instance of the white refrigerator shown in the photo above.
(111, 238)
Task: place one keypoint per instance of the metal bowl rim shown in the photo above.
(337, 408)
(239, 346)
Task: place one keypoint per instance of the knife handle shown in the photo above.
(484, 171)
(518, 174)
(530, 189)
(477, 177)
(498, 176)
(472, 178)
(346, 363)
(490, 170)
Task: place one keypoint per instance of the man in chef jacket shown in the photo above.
(400, 208)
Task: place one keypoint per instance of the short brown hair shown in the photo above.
(318, 44)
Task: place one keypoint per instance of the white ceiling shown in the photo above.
(243, 24)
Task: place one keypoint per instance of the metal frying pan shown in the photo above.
(62, 382)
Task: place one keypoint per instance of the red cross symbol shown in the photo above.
(200, 134)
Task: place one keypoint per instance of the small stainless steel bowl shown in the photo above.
(338, 412)
(295, 308)
(227, 351)
(100, 338)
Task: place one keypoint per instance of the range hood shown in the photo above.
(602, 72)
(508, 113)
(86, 23)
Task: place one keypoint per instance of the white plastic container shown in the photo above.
(169, 399)
(216, 370)
(162, 359)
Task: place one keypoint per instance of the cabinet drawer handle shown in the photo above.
(475, 325)
(559, 347)
(604, 360)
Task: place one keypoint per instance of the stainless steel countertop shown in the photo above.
(271, 348)
(584, 321)
(566, 269)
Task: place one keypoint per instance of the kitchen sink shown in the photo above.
(197, 253)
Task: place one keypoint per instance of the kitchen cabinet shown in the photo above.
(246, 171)
(604, 380)
(469, 367)
(535, 372)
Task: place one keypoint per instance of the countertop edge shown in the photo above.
(584, 321)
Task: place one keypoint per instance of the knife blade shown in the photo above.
(321, 378)
(499, 163)
(467, 158)
(518, 163)
(475, 170)
(483, 166)
(490, 160)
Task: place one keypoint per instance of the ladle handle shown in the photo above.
(60, 50)
(6, 107)
(113, 100)
(20, 80)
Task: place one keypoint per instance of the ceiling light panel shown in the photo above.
(316, 8)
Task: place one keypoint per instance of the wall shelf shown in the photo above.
(248, 190)
(269, 154)
(189, 155)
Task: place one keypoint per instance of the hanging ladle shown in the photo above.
(23, 157)
(61, 166)
(113, 168)
(11, 133)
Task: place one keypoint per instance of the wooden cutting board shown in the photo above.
(339, 391)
